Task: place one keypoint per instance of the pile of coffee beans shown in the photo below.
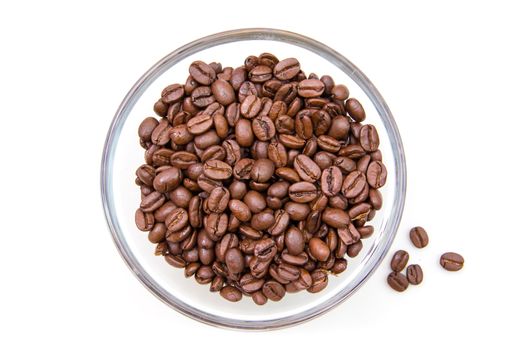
(258, 180)
(414, 273)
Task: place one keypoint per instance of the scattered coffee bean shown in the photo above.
(414, 274)
(419, 237)
(397, 281)
(260, 179)
(399, 261)
(451, 261)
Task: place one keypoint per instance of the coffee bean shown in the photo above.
(231, 293)
(319, 281)
(144, 221)
(399, 261)
(336, 218)
(376, 174)
(199, 124)
(263, 128)
(244, 133)
(260, 74)
(152, 201)
(349, 234)
(319, 249)
(397, 281)
(202, 96)
(451, 261)
(262, 170)
(273, 290)
(240, 210)
(414, 274)
(234, 260)
(355, 109)
(223, 92)
(202, 73)
(354, 249)
(259, 298)
(217, 170)
(302, 192)
(215, 225)
(265, 249)
(310, 88)
(369, 138)
(353, 184)
(331, 181)
(167, 180)
(255, 201)
(250, 284)
(175, 261)
(306, 168)
(419, 237)
(286, 69)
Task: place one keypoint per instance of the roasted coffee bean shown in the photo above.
(277, 153)
(418, 235)
(237, 189)
(304, 127)
(281, 222)
(164, 210)
(339, 266)
(451, 261)
(366, 231)
(206, 184)
(199, 124)
(331, 181)
(339, 127)
(161, 134)
(203, 141)
(251, 106)
(265, 249)
(240, 210)
(348, 235)
(397, 281)
(310, 88)
(202, 96)
(262, 170)
(152, 201)
(354, 249)
(146, 128)
(202, 73)
(217, 170)
(376, 174)
(414, 274)
(324, 159)
(319, 281)
(215, 225)
(319, 249)
(340, 92)
(250, 284)
(368, 138)
(288, 174)
(180, 135)
(144, 221)
(273, 290)
(359, 211)
(167, 180)
(172, 93)
(353, 184)
(255, 201)
(346, 164)
(288, 272)
(218, 200)
(191, 268)
(259, 298)
(244, 133)
(307, 169)
(376, 200)
(216, 283)
(399, 261)
(263, 128)
(285, 125)
(175, 260)
(260, 74)
(231, 293)
(302, 192)
(181, 196)
(355, 109)
(250, 232)
(297, 211)
(286, 69)
(183, 159)
(146, 174)
(336, 218)
(223, 92)
(234, 260)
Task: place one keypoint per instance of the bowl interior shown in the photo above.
(122, 196)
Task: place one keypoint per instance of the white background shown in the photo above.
(453, 75)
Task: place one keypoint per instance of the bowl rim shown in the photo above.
(378, 251)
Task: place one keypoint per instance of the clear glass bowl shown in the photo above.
(122, 155)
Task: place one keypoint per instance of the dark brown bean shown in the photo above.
(202, 72)
(414, 274)
(418, 236)
(452, 261)
(399, 261)
(397, 281)
(286, 69)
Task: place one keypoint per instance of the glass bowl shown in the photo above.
(122, 155)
